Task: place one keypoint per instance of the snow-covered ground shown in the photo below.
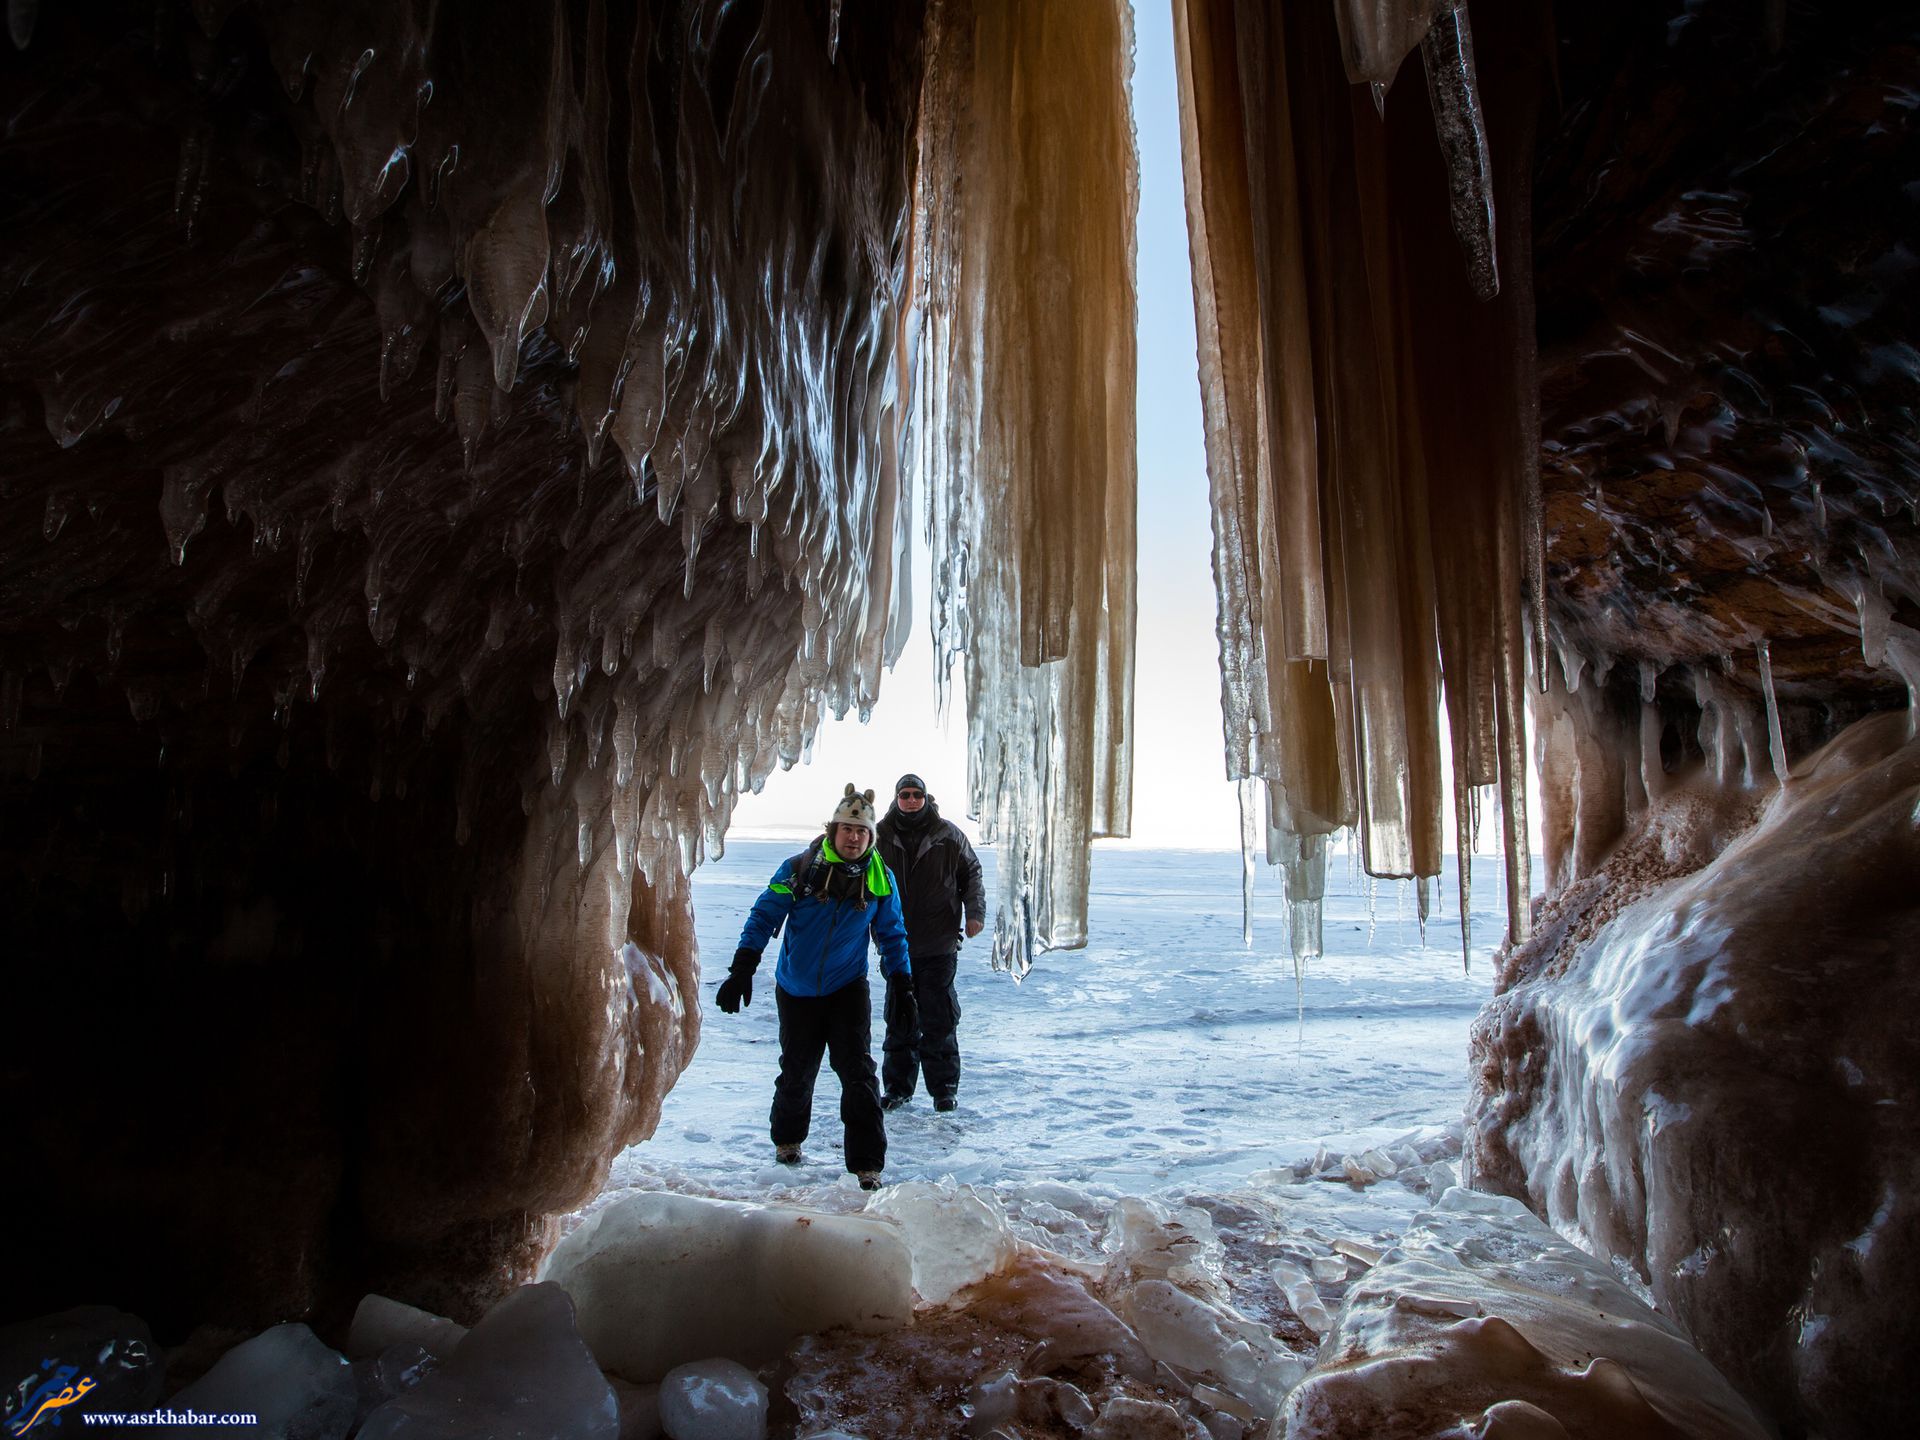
(1236, 1179)
(1163, 1057)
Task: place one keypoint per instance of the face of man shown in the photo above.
(910, 800)
(850, 842)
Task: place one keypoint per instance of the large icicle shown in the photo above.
(1454, 88)
(1376, 35)
(1371, 477)
(1026, 415)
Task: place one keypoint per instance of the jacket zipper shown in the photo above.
(826, 948)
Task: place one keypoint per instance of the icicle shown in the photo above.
(54, 517)
(557, 749)
(1776, 745)
(1903, 655)
(1454, 90)
(1463, 824)
(1875, 612)
(1249, 837)
(1376, 35)
(1027, 414)
(20, 17)
(833, 29)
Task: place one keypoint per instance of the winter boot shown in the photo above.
(945, 1102)
(869, 1179)
(893, 1102)
(787, 1154)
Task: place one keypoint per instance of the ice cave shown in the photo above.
(451, 451)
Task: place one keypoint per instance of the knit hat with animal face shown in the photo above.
(855, 808)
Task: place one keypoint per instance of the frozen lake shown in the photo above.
(1164, 1056)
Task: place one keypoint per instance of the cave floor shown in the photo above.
(1164, 1059)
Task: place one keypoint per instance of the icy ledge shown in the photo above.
(1720, 1087)
(938, 1309)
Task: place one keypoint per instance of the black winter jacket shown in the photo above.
(937, 874)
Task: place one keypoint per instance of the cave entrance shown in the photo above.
(1111, 1065)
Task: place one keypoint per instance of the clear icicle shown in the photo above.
(1249, 838)
(1776, 744)
(1454, 89)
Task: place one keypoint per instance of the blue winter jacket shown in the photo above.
(825, 948)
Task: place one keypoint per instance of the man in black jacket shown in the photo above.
(938, 876)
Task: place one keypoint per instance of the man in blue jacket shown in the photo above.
(830, 897)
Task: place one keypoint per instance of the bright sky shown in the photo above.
(1180, 791)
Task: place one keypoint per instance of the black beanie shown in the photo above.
(909, 782)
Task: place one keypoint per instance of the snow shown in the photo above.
(1163, 1055)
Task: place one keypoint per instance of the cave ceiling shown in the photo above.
(1725, 238)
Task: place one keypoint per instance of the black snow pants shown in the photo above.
(931, 1045)
(839, 1025)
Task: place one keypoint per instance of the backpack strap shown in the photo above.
(801, 871)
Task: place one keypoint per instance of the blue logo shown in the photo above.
(63, 1385)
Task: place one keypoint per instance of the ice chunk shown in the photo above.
(299, 1389)
(1485, 1321)
(1127, 1418)
(713, 1400)
(1302, 1296)
(1210, 1341)
(379, 1324)
(378, 1378)
(957, 1234)
(1006, 1399)
(522, 1373)
(661, 1280)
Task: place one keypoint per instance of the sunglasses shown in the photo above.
(912, 794)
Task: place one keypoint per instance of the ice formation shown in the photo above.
(1483, 1322)
(1156, 1317)
(299, 1389)
(447, 452)
(1025, 431)
(522, 1371)
(713, 1400)
(1372, 476)
(666, 1280)
(379, 1324)
(1715, 1083)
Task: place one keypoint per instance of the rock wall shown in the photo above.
(362, 708)
(1701, 1065)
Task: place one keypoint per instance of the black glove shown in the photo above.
(902, 1010)
(737, 989)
